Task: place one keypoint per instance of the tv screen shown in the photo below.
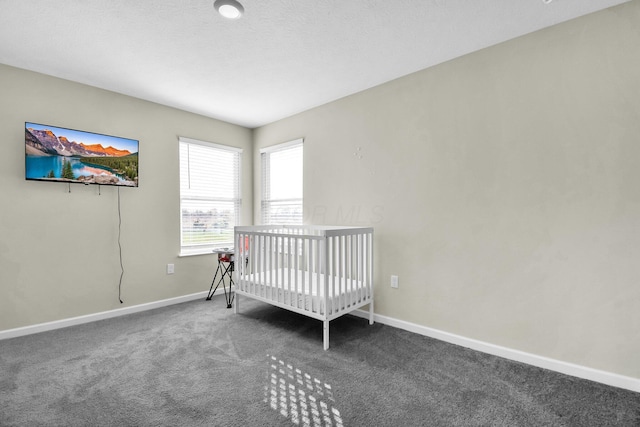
(65, 155)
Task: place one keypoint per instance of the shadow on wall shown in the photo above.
(353, 215)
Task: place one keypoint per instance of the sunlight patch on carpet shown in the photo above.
(296, 395)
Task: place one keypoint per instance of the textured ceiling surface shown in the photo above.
(282, 57)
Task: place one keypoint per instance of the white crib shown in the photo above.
(319, 271)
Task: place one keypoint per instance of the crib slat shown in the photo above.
(310, 275)
(320, 290)
(289, 270)
(335, 273)
(276, 285)
(271, 269)
(315, 292)
(370, 264)
(281, 270)
(274, 269)
(356, 252)
(331, 271)
(303, 285)
(267, 268)
(251, 263)
(284, 253)
(361, 253)
(256, 264)
(260, 272)
(263, 273)
(357, 286)
(340, 272)
(256, 258)
(296, 264)
(242, 270)
(363, 268)
(328, 302)
(352, 249)
(246, 262)
(356, 271)
(347, 272)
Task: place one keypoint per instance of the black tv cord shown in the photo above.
(120, 249)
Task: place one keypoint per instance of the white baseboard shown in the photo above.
(43, 327)
(608, 378)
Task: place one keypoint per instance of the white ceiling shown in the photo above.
(282, 57)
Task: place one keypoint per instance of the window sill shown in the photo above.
(195, 253)
(201, 251)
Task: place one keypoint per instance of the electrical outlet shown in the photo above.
(170, 268)
(394, 281)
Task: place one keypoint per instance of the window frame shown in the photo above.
(207, 248)
(265, 200)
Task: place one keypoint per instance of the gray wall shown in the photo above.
(504, 188)
(59, 250)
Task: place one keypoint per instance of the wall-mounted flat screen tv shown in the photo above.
(65, 155)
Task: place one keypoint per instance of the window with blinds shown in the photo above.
(282, 183)
(209, 195)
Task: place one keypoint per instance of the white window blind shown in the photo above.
(282, 167)
(209, 195)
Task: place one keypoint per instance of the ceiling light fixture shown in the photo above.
(230, 9)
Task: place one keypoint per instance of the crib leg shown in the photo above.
(325, 334)
(371, 313)
(237, 303)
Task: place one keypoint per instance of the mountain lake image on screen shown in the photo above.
(65, 155)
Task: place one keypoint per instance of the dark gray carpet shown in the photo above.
(198, 364)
